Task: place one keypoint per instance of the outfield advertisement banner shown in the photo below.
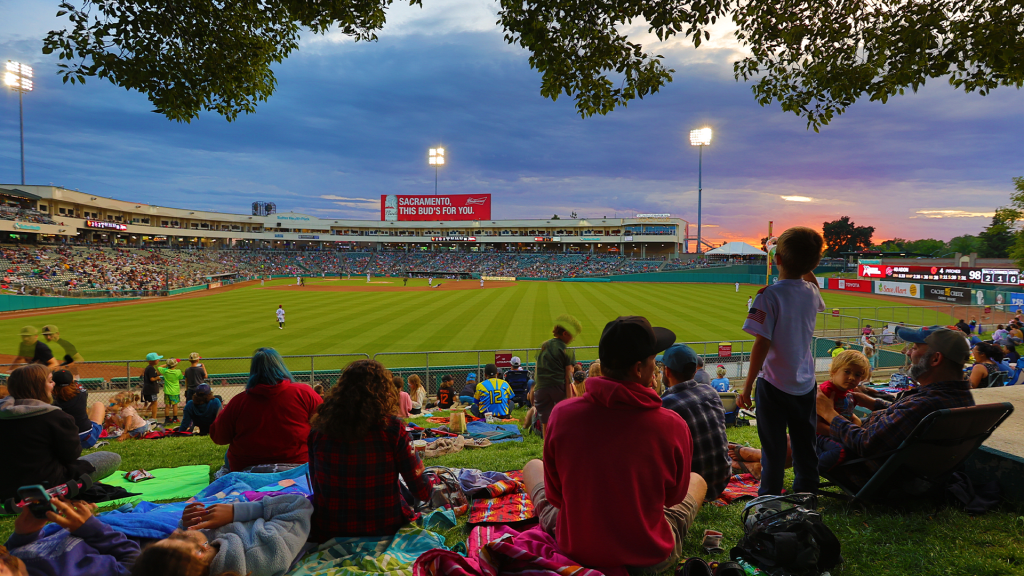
(499, 278)
(1016, 300)
(852, 285)
(903, 289)
(947, 294)
(394, 208)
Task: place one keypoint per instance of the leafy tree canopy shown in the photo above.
(843, 235)
(815, 57)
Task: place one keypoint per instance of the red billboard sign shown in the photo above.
(395, 208)
(725, 349)
(854, 285)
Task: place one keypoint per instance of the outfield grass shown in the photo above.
(235, 323)
(912, 540)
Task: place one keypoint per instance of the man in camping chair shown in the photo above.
(937, 356)
(518, 378)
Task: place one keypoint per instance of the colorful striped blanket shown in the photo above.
(504, 502)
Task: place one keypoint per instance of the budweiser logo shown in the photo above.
(476, 201)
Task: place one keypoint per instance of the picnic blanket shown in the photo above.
(739, 486)
(495, 550)
(371, 555)
(444, 419)
(503, 502)
(496, 433)
(149, 520)
(167, 483)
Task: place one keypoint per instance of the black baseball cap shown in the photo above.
(490, 370)
(63, 378)
(630, 339)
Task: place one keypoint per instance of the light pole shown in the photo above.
(19, 79)
(435, 158)
(700, 137)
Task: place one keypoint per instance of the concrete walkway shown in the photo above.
(1009, 437)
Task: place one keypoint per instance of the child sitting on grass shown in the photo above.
(358, 447)
(126, 417)
(446, 395)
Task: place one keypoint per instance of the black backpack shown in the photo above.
(784, 536)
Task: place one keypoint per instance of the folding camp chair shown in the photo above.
(935, 449)
(729, 403)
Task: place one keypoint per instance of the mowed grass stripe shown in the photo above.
(521, 316)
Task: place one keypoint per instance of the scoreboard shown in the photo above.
(1001, 276)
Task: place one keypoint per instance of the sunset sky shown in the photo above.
(353, 121)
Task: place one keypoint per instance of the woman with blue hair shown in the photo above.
(267, 425)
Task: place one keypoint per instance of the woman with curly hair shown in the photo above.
(357, 449)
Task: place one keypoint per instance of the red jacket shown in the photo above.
(613, 460)
(267, 425)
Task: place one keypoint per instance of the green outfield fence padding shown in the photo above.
(715, 278)
(185, 290)
(586, 280)
(13, 302)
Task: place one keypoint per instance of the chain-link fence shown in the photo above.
(226, 376)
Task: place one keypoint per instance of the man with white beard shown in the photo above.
(937, 356)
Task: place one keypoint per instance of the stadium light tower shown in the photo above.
(435, 158)
(18, 77)
(700, 137)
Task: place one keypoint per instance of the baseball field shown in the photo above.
(331, 316)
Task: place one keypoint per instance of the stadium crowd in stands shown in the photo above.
(54, 268)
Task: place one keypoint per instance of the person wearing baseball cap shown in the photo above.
(33, 351)
(701, 407)
(71, 355)
(468, 392)
(621, 494)
(74, 400)
(200, 411)
(555, 365)
(938, 355)
(519, 379)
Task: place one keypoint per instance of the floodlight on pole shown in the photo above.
(435, 158)
(701, 138)
(18, 77)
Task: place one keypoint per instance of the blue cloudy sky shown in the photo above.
(352, 121)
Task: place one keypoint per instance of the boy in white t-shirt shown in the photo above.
(782, 323)
(280, 317)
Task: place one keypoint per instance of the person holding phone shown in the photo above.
(86, 546)
(40, 442)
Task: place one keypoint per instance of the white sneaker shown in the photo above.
(280, 327)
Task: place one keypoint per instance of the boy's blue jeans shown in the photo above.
(776, 411)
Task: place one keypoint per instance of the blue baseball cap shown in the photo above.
(471, 376)
(949, 341)
(153, 356)
(678, 356)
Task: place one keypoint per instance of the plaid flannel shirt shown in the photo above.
(701, 408)
(355, 484)
(886, 429)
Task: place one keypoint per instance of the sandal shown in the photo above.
(694, 567)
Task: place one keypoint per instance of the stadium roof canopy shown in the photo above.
(735, 249)
(19, 194)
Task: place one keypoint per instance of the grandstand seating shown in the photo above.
(67, 268)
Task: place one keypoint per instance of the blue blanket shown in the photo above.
(152, 521)
(483, 427)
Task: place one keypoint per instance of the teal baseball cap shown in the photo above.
(678, 356)
(153, 356)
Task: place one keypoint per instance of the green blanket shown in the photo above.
(167, 484)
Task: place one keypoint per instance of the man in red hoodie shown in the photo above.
(615, 486)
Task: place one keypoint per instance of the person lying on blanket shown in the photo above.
(937, 356)
(358, 448)
(623, 494)
(253, 538)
